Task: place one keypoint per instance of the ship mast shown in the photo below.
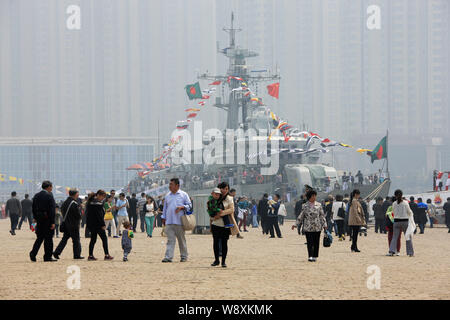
(237, 102)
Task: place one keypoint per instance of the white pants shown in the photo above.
(113, 226)
(120, 221)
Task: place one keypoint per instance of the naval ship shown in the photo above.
(299, 167)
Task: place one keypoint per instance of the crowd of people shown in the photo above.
(103, 215)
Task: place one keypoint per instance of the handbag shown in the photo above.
(188, 221)
(341, 212)
(327, 239)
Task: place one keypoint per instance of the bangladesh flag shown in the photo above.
(380, 151)
(193, 91)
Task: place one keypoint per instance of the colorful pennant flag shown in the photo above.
(215, 83)
(192, 115)
(192, 110)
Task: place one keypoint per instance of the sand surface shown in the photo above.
(258, 268)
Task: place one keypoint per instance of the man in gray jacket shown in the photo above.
(14, 210)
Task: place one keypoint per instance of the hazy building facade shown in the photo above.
(123, 73)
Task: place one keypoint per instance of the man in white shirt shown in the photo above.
(176, 203)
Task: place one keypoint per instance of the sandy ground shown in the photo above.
(258, 268)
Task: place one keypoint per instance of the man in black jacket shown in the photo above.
(13, 209)
(298, 210)
(380, 215)
(132, 212)
(27, 211)
(263, 209)
(447, 213)
(44, 208)
(71, 218)
(385, 206)
(415, 211)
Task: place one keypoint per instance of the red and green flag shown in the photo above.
(380, 151)
(193, 91)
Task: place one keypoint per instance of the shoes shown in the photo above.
(56, 256)
(410, 255)
(245, 230)
(78, 258)
(390, 254)
(397, 254)
(116, 237)
(310, 259)
(340, 239)
(314, 259)
(108, 257)
(12, 232)
(32, 258)
(224, 265)
(183, 260)
(215, 263)
(50, 260)
(92, 258)
(125, 259)
(166, 260)
(280, 237)
(272, 237)
(239, 236)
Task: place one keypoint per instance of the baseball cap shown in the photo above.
(216, 190)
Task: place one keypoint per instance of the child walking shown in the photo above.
(127, 235)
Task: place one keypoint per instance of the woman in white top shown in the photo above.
(338, 204)
(150, 212)
(403, 217)
(282, 213)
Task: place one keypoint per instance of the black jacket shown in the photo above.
(415, 211)
(263, 207)
(71, 213)
(27, 206)
(133, 205)
(298, 207)
(379, 211)
(386, 205)
(44, 207)
(95, 214)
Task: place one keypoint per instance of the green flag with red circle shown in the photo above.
(193, 91)
(380, 151)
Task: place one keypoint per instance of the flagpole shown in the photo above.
(387, 153)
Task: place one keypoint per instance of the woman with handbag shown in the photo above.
(356, 218)
(313, 220)
(109, 217)
(149, 209)
(338, 210)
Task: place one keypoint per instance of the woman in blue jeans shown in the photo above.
(254, 214)
(150, 212)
